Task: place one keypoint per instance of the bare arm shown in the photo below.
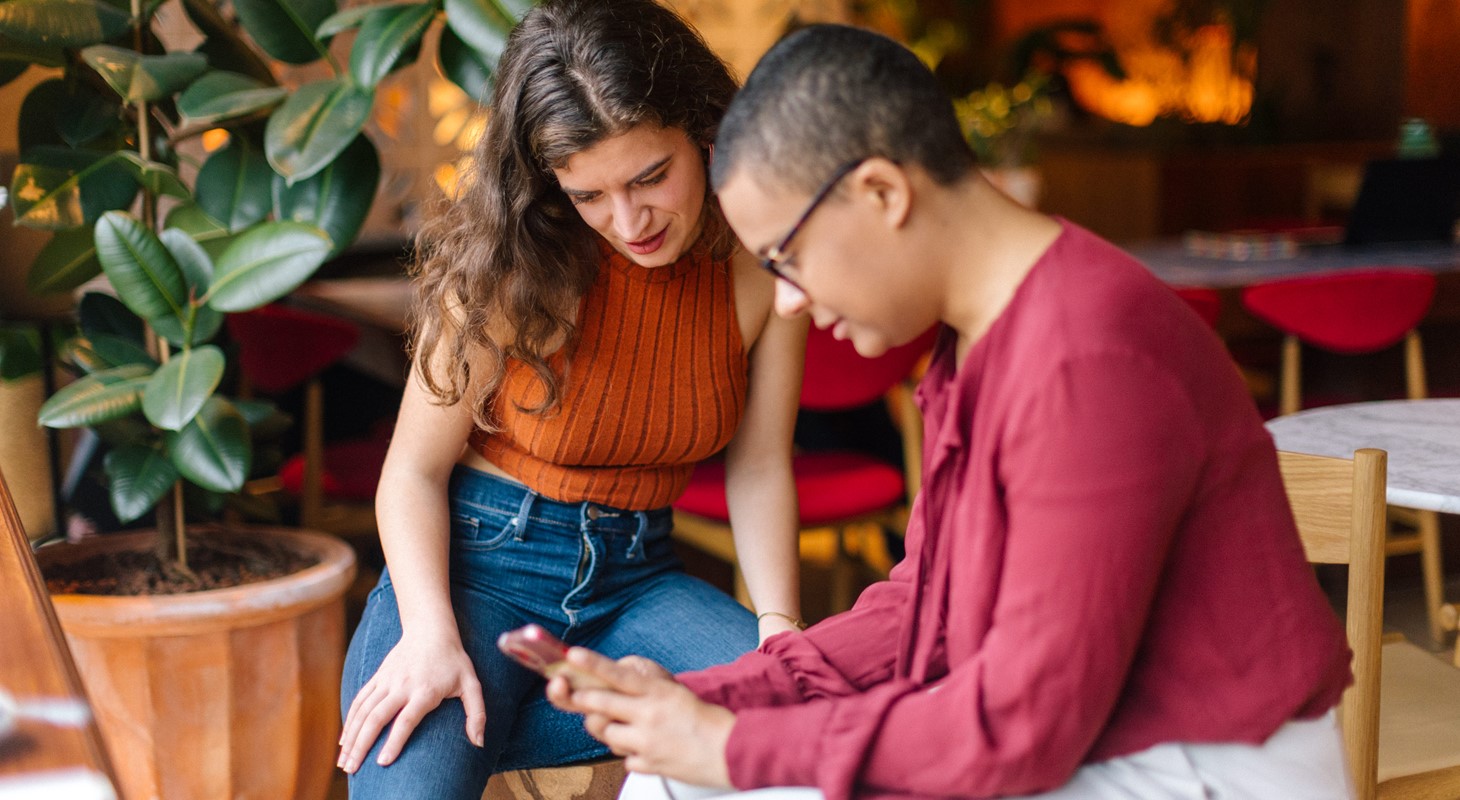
(759, 487)
(429, 664)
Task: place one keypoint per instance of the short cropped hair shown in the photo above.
(830, 94)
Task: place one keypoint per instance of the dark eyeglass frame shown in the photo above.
(774, 261)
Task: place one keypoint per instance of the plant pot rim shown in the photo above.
(251, 604)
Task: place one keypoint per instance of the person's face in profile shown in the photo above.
(642, 190)
(824, 251)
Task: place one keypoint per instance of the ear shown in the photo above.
(886, 185)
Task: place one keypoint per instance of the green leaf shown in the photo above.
(516, 9)
(100, 396)
(213, 235)
(20, 353)
(56, 188)
(67, 261)
(67, 112)
(265, 420)
(10, 69)
(145, 275)
(482, 24)
(347, 19)
(101, 313)
(196, 264)
(139, 477)
(337, 199)
(156, 177)
(466, 67)
(213, 451)
(61, 23)
(225, 95)
(386, 35)
(197, 267)
(285, 28)
(179, 387)
(233, 185)
(139, 78)
(222, 44)
(265, 263)
(107, 350)
(317, 122)
(31, 53)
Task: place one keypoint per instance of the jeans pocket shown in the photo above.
(485, 531)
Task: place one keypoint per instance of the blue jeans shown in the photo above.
(599, 577)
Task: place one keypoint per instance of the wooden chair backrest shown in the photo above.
(1338, 504)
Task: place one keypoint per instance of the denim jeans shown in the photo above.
(599, 577)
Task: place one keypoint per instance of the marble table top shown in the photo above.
(1422, 438)
(1170, 262)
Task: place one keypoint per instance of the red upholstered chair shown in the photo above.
(834, 489)
(1205, 302)
(281, 347)
(1359, 312)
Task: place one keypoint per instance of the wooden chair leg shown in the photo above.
(843, 575)
(1414, 366)
(1434, 576)
(1291, 382)
(311, 496)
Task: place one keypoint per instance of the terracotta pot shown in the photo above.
(228, 693)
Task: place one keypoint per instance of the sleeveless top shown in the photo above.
(656, 384)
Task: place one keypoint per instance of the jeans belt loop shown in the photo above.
(636, 547)
(519, 522)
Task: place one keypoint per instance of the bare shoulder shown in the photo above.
(755, 293)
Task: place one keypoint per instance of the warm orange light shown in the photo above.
(214, 139)
(1209, 85)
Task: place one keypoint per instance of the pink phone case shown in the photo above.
(540, 651)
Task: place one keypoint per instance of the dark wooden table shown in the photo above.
(35, 663)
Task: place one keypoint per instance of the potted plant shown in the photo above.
(1000, 122)
(229, 691)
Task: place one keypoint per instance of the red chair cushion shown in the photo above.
(838, 377)
(1350, 312)
(351, 470)
(280, 347)
(1205, 302)
(831, 486)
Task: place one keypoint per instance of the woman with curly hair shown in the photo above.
(586, 330)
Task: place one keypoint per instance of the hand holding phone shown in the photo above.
(540, 651)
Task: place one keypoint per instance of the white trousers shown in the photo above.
(1303, 760)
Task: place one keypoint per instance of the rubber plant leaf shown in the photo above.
(336, 199)
(98, 397)
(386, 35)
(285, 28)
(179, 387)
(138, 477)
(314, 125)
(146, 277)
(219, 96)
(67, 261)
(214, 450)
(265, 263)
(233, 185)
(61, 23)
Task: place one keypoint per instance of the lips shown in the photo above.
(644, 247)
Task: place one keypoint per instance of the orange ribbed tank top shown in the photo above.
(655, 385)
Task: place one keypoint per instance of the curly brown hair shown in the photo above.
(510, 249)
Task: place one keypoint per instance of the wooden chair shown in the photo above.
(834, 489)
(1401, 717)
(1352, 313)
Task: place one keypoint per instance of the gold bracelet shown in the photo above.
(799, 623)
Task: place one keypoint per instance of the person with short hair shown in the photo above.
(586, 330)
(1104, 596)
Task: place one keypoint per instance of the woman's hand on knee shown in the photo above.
(415, 677)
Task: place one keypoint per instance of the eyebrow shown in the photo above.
(643, 173)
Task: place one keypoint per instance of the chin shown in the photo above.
(870, 345)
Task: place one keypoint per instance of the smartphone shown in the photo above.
(543, 653)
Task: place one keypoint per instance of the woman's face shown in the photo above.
(643, 191)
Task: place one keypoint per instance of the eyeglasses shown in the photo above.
(775, 260)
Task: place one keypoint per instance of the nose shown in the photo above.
(630, 219)
(790, 301)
